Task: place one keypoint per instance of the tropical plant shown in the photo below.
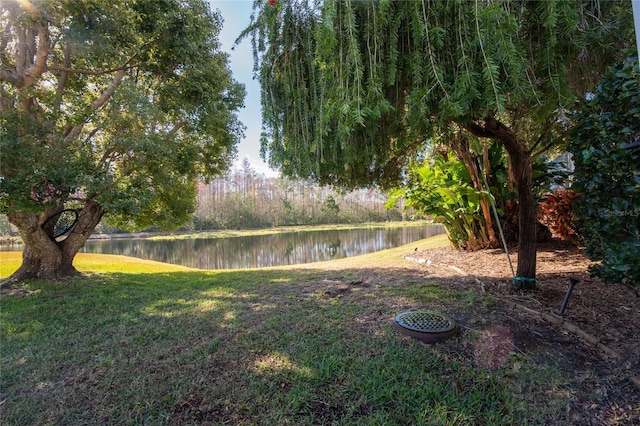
(606, 153)
(351, 91)
(110, 109)
(443, 190)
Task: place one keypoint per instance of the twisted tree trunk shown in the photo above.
(45, 258)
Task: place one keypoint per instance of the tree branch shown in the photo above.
(63, 76)
(494, 129)
(179, 125)
(541, 137)
(67, 69)
(91, 134)
(40, 64)
(106, 95)
(476, 129)
(11, 77)
(544, 148)
(98, 103)
(32, 47)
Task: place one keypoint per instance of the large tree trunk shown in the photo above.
(522, 166)
(45, 258)
(527, 218)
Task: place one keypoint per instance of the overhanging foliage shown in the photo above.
(351, 91)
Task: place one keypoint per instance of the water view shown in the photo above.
(265, 250)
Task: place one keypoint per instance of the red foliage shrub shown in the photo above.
(555, 213)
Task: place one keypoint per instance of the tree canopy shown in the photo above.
(112, 108)
(352, 90)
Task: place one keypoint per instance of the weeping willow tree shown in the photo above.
(352, 91)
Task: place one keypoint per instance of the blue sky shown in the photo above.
(237, 14)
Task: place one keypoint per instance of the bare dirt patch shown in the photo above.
(596, 343)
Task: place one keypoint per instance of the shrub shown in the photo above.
(608, 175)
(557, 214)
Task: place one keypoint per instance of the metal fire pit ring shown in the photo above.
(427, 326)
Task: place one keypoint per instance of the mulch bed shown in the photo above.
(596, 342)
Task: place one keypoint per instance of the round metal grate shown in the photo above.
(428, 326)
(425, 321)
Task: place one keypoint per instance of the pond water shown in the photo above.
(265, 250)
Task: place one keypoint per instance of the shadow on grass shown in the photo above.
(254, 347)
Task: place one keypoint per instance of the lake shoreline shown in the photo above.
(224, 233)
(264, 248)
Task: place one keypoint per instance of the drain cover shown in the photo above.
(428, 326)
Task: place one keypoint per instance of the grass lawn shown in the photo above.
(138, 342)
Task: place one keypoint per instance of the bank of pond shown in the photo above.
(263, 250)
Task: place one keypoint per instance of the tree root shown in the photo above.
(7, 283)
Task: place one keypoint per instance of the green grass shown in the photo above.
(139, 342)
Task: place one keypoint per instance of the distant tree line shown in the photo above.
(245, 199)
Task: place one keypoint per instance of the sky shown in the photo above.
(237, 15)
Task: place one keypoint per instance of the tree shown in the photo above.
(111, 109)
(606, 152)
(352, 91)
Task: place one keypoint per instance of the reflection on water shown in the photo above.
(264, 250)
